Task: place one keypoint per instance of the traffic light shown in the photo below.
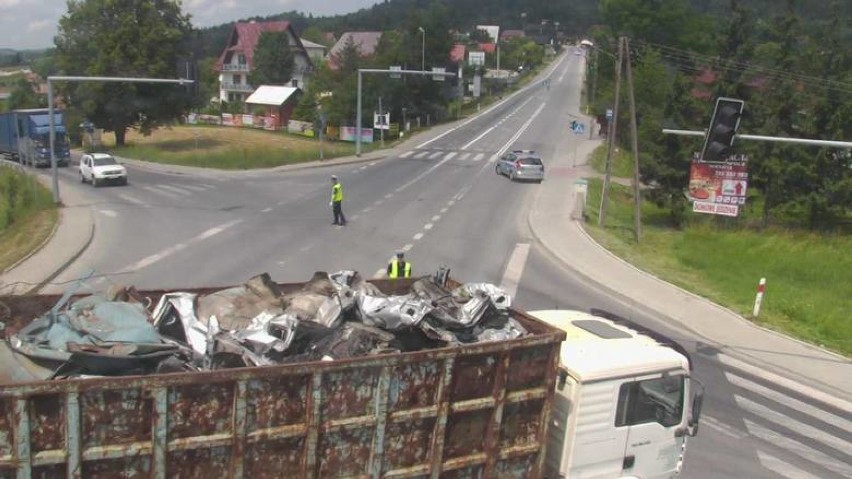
(723, 127)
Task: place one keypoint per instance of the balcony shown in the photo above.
(237, 87)
(229, 67)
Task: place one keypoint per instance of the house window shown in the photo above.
(294, 83)
(241, 59)
(237, 79)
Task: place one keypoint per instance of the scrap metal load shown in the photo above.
(333, 316)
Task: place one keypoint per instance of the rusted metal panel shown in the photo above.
(474, 411)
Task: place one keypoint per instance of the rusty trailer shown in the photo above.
(474, 411)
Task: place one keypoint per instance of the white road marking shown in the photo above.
(407, 247)
(266, 210)
(195, 188)
(421, 154)
(492, 159)
(450, 155)
(451, 202)
(388, 195)
(791, 424)
(148, 261)
(406, 154)
(206, 185)
(782, 468)
(378, 202)
(131, 199)
(786, 383)
(418, 236)
(363, 167)
(444, 210)
(176, 189)
(161, 192)
(478, 137)
(515, 268)
(792, 403)
(305, 248)
(435, 155)
(427, 226)
(436, 218)
(806, 452)
(421, 175)
(110, 213)
(478, 156)
(719, 426)
(464, 156)
(367, 209)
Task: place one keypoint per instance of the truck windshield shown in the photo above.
(652, 400)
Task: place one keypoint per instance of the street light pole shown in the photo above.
(422, 50)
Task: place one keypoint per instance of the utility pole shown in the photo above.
(381, 123)
(637, 193)
(594, 87)
(611, 139)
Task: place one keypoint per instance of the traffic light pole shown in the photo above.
(51, 123)
(361, 71)
(775, 139)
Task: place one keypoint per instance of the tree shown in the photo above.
(124, 38)
(24, 95)
(273, 60)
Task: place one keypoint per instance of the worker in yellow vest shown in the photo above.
(337, 201)
(399, 267)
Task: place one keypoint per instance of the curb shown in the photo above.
(67, 263)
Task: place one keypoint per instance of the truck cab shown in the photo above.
(625, 401)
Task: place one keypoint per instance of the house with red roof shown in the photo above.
(236, 60)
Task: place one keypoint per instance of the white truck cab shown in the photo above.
(624, 402)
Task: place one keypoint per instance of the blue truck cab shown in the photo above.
(25, 137)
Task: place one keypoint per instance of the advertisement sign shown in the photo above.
(718, 188)
(347, 133)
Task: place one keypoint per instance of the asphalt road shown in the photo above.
(440, 201)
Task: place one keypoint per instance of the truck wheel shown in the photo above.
(82, 178)
(497, 170)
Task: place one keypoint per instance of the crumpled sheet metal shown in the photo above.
(93, 335)
(499, 298)
(174, 317)
(392, 312)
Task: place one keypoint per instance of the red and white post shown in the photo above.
(761, 288)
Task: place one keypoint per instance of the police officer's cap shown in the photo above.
(400, 254)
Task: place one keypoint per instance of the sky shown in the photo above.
(30, 24)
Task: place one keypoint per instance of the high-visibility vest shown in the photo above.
(394, 269)
(337, 192)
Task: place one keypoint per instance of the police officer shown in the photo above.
(398, 267)
(337, 201)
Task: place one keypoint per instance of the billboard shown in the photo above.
(718, 188)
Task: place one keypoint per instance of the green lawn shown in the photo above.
(228, 148)
(809, 284)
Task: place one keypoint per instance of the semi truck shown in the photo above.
(528, 407)
(25, 137)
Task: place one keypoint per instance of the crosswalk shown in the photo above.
(173, 191)
(795, 438)
(445, 155)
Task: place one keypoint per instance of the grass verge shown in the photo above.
(808, 286)
(27, 216)
(228, 148)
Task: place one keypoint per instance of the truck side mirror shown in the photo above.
(697, 403)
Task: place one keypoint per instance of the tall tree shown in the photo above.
(24, 95)
(124, 38)
(273, 60)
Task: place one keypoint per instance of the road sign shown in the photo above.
(438, 70)
(609, 114)
(395, 68)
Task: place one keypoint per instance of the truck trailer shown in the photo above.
(25, 137)
(528, 407)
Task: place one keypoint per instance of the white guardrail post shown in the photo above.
(758, 299)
